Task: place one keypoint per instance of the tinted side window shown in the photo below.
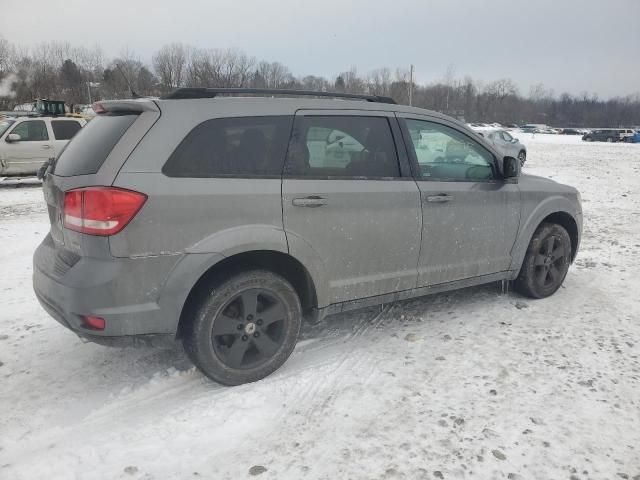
(444, 153)
(88, 150)
(65, 129)
(342, 146)
(32, 131)
(243, 146)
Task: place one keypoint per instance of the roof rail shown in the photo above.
(194, 93)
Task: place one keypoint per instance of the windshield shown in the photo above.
(4, 125)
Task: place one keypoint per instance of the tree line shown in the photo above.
(59, 70)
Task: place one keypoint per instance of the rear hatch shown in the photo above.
(93, 158)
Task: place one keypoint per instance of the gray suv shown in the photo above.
(225, 221)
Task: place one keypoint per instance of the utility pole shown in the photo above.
(411, 85)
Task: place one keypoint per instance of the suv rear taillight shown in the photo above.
(100, 210)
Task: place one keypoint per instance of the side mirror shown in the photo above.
(13, 137)
(510, 167)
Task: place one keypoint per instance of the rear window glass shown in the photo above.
(243, 146)
(65, 129)
(88, 150)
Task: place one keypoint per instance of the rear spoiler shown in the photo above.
(125, 106)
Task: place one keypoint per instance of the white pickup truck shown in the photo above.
(27, 142)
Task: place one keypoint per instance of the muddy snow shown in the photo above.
(470, 384)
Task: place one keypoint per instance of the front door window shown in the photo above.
(32, 131)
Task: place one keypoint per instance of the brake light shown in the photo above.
(100, 210)
(98, 108)
(94, 323)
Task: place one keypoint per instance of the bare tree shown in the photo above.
(272, 75)
(169, 63)
(379, 82)
(6, 57)
(62, 70)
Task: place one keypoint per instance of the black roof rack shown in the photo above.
(192, 93)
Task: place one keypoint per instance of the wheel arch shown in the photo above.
(277, 262)
(569, 223)
(555, 210)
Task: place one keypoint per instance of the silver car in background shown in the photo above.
(505, 142)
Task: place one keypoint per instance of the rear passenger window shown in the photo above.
(243, 146)
(91, 147)
(342, 146)
(65, 129)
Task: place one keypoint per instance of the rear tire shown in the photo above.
(546, 262)
(244, 328)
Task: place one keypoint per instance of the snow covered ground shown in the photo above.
(470, 384)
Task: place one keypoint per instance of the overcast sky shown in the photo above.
(569, 45)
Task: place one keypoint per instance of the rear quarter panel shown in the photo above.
(201, 215)
(224, 215)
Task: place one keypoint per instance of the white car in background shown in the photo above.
(27, 142)
(505, 142)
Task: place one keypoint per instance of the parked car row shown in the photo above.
(635, 138)
(609, 135)
(589, 135)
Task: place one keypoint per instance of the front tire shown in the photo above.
(244, 328)
(546, 262)
(522, 157)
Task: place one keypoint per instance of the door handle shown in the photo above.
(311, 201)
(46, 147)
(439, 198)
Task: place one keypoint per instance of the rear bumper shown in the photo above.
(123, 291)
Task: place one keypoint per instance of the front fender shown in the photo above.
(548, 206)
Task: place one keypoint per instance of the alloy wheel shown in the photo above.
(249, 329)
(522, 157)
(550, 261)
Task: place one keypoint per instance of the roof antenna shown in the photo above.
(133, 94)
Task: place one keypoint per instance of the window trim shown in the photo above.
(400, 149)
(17, 125)
(415, 166)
